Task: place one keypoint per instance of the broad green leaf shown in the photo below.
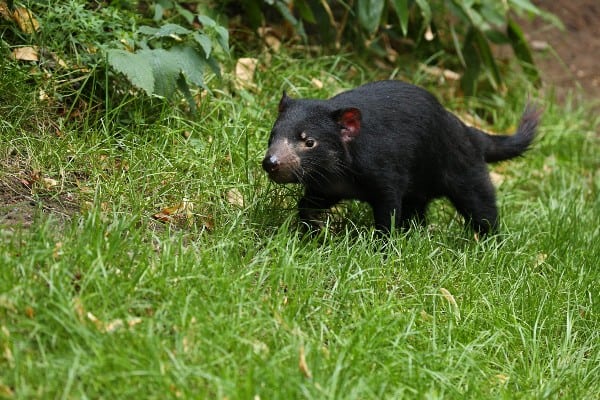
(204, 41)
(188, 15)
(135, 67)
(207, 21)
(223, 38)
(402, 9)
(369, 14)
(165, 69)
(171, 29)
(147, 30)
(159, 11)
(191, 64)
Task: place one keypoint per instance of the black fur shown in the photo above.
(393, 145)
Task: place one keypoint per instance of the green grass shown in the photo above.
(99, 300)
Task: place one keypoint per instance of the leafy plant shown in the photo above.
(466, 29)
(171, 57)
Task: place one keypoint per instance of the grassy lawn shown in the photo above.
(224, 299)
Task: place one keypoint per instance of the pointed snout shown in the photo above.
(270, 163)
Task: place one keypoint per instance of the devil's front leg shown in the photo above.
(387, 212)
(311, 207)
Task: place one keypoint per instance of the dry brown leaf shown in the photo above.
(540, 259)
(179, 212)
(25, 19)
(29, 312)
(49, 183)
(4, 12)
(496, 178)
(302, 364)
(244, 71)
(26, 53)
(317, 83)
(235, 197)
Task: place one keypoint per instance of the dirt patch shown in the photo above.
(572, 59)
(21, 202)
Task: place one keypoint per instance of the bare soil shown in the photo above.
(572, 59)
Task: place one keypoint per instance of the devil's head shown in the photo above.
(309, 141)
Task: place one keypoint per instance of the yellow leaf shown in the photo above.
(49, 183)
(496, 178)
(180, 211)
(27, 53)
(317, 83)
(24, 18)
(235, 198)
(244, 70)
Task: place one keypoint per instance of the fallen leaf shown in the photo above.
(4, 12)
(26, 53)
(317, 83)
(49, 183)
(540, 259)
(302, 364)
(25, 19)
(235, 198)
(244, 71)
(179, 212)
(496, 178)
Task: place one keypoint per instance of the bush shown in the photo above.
(463, 29)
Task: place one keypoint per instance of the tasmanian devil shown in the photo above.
(393, 145)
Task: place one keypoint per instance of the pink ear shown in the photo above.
(350, 121)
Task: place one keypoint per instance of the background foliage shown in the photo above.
(165, 46)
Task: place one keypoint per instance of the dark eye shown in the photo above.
(309, 142)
